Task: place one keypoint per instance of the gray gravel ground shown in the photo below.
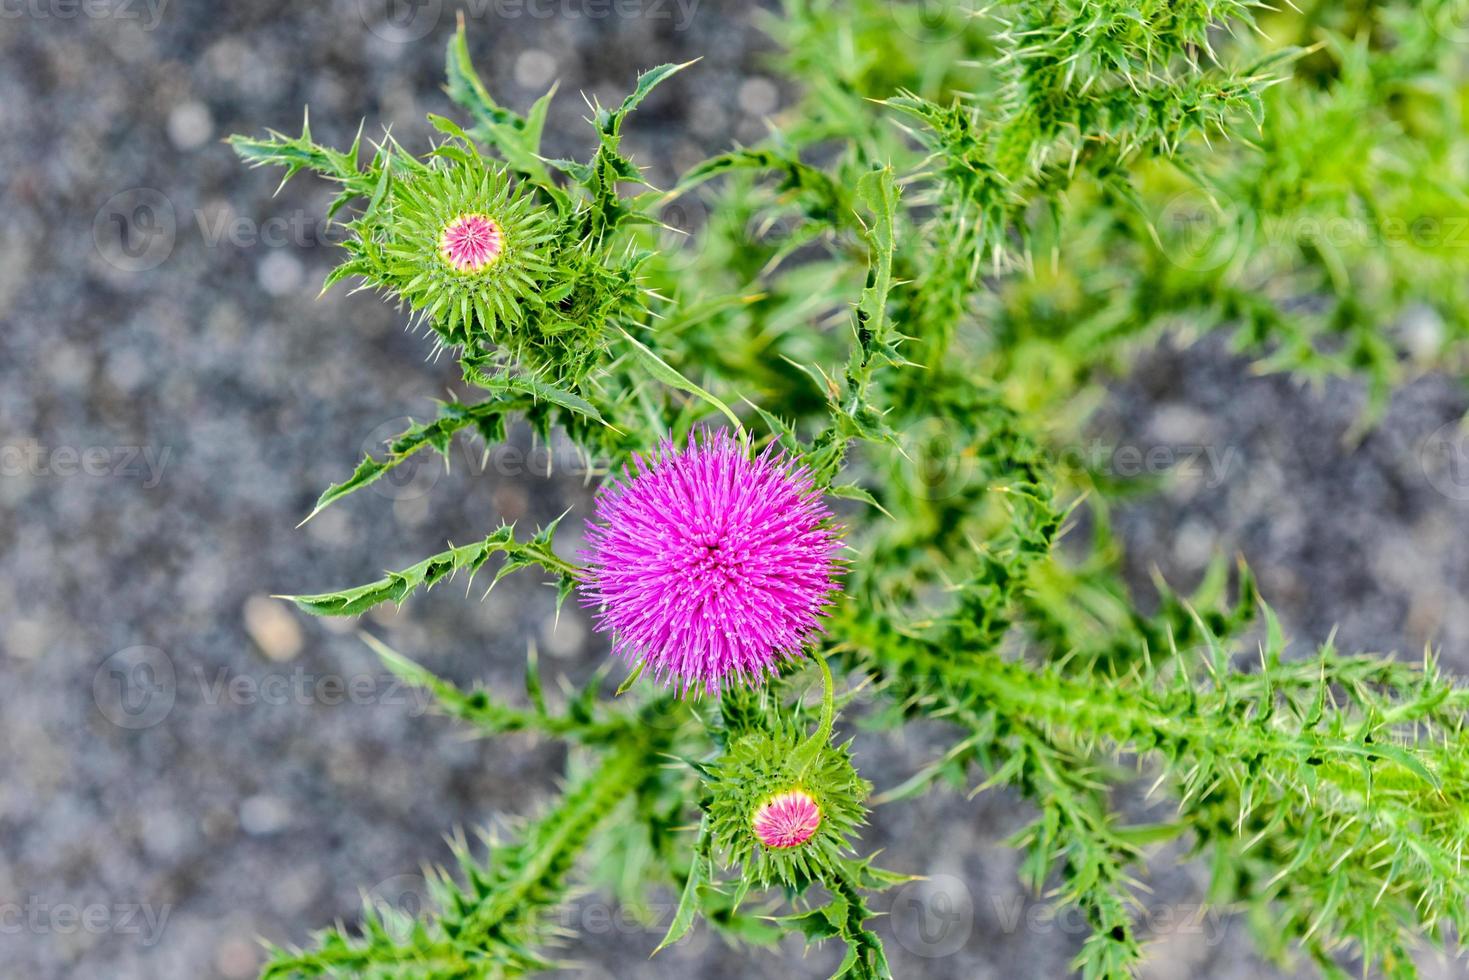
(188, 766)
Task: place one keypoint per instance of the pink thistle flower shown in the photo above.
(708, 565)
(470, 242)
(787, 819)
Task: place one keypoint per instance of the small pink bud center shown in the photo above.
(787, 819)
(470, 242)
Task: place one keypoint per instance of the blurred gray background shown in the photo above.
(189, 766)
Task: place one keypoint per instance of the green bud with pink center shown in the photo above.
(468, 249)
(783, 801)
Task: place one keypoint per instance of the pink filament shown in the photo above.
(470, 242)
(708, 565)
(787, 820)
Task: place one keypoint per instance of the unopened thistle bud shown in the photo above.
(787, 819)
(783, 802)
(465, 249)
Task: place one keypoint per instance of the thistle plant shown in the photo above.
(830, 425)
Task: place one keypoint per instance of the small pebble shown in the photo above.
(1194, 544)
(279, 273)
(563, 635)
(273, 627)
(263, 815)
(1423, 332)
(758, 97)
(534, 69)
(190, 125)
(237, 958)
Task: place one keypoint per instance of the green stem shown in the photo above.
(810, 749)
(550, 845)
(570, 826)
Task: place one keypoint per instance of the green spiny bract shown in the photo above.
(398, 246)
(914, 287)
(760, 765)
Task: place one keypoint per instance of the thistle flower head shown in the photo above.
(787, 819)
(464, 247)
(709, 566)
